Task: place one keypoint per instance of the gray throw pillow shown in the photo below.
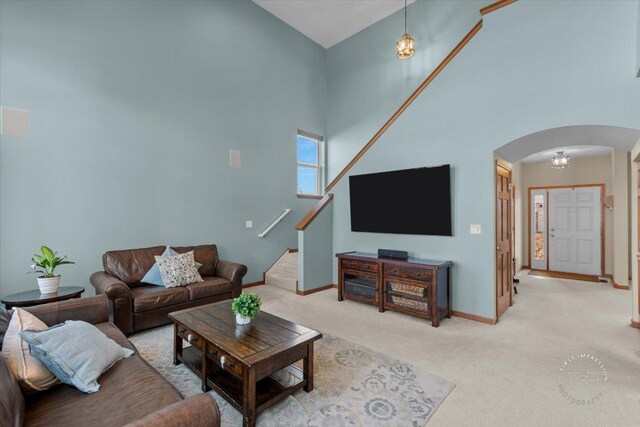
(76, 352)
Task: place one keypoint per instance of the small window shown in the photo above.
(309, 163)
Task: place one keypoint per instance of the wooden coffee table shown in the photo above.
(34, 297)
(237, 360)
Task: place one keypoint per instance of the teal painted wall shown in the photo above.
(535, 65)
(638, 43)
(315, 256)
(133, 109)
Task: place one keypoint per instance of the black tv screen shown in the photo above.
(410, 201)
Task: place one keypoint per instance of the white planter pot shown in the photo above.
(48, 285)
(241, 320)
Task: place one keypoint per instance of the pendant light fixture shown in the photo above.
(560, 161)
(406, 44)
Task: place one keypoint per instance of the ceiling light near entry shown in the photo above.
(560, 161)
(406, 45)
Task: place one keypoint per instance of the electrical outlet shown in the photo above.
(248, 224)
(475, 229)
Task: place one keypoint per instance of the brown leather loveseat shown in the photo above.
(132, 393)
(137, 306)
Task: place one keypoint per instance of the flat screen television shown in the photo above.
(409, 201)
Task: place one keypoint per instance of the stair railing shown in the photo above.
(280, 218)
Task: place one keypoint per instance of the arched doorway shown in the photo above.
(531, 241)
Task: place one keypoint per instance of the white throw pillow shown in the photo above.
(178, 270)
(31, 374)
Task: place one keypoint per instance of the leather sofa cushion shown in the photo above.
(129, 390)
(150, 297)
(210, 287)
(207, 255)
(130, 265)
(11, 398)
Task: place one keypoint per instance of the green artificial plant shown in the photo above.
(246, 305)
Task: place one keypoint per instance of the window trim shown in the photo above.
(319, 167)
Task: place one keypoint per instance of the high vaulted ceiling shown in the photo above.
(328, 22)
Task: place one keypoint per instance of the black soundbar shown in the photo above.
(390, 253)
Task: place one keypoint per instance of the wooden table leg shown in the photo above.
(435, 319)
(203, 368)
(307, 368)
(177, 344)
(249, 398)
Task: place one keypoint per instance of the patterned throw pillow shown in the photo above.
(178, 270)
(153, 277)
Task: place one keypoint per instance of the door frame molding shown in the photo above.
(501, 164)
(603, 231)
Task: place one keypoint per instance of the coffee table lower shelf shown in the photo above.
(268, 390)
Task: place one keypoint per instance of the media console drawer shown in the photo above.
(420, 288)
(360, 265)
(420, 274)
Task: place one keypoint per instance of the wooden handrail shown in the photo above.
(304, 223)
(485, 10)
(495, 6)
(322, 203)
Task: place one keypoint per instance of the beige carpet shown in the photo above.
(354, 386)
(507, 374)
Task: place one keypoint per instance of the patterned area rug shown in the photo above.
(354, 386)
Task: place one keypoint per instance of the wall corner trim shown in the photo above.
(481, 319)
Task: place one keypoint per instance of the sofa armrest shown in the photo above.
(92, 310)
(200, 410)
(120, 296)
(232, 272)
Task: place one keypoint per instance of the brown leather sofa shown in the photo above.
(137, 306)
(131, 394)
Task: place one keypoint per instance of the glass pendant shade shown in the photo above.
(560, 161)
(406, 47)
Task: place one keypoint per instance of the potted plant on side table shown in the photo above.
(245, 307)
(45, 265)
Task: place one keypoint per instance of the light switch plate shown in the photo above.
(475, 229)
(249, 224)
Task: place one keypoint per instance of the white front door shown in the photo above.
(575, 230)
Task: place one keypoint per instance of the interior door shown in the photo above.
(504, 274)
(575, 230)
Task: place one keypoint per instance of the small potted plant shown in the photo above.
(45, 266)
(245, 307)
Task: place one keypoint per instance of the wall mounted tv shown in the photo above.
(410, 201)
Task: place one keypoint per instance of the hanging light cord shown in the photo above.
(405, 16)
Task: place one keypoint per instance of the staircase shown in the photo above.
(284, 273)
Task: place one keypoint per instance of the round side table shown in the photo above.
(34, 297)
